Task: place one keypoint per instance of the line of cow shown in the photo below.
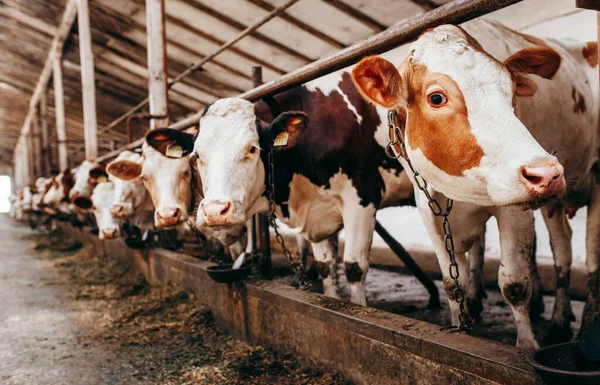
(499, 121)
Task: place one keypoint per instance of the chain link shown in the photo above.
(396, 148)
(297, 267)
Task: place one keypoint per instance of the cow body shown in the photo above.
(489, 153)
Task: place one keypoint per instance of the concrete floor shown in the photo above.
(38, 332)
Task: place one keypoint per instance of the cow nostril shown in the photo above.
(177, 213)
(226, 208)
(531, 178)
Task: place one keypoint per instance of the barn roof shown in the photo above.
(306, 31)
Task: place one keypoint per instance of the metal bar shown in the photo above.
(59, 110)
(409, 262)
(36, 145)
(455, 12)
(88, 86)
(261, 222)
(157, 63)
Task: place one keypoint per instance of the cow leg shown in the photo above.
(514, 277)
(476, 291)
(359, 223)
(560, 242)
(536, 308)
(592, 245)
(326, 266)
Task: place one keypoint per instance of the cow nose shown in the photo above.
(170, 216)
(217, 213)
(117, 210)
(109, 233)
(544, 180)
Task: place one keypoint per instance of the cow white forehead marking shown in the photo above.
(228, 121)
(102, 195)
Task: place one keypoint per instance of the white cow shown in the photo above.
(478, 130)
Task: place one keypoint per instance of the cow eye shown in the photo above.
(437, 99)
(252, 149)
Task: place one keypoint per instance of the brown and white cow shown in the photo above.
(327, 173)
(131, 201)
(57, 197)
(99, 204)
(87, 175)
(478, 130)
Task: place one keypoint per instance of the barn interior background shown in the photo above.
(291, 34)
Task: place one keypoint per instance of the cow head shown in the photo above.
(456, 103)
(100, 204)
(130, 195)
(87, 176)
(230, 152)
(57, 196)
(168, 179)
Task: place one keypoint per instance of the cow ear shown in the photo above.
(124, 169)
(378, 81)
(285, 131)
(171, 143)
(541, 61)
(98, 174)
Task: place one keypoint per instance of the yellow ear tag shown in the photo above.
(281, 139)
(101, 179)
(174, 151)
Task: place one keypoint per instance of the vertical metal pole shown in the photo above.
(36, 145)
(59, 109)
(261, 222)
(157, 62)
(46, 150)
(88, 86)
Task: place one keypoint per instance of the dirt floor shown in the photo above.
(72, 316)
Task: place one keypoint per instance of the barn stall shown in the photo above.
(115, 67)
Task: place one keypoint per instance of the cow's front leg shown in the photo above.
(560, 240)
(514, 277)
(592, 245)
(325, 254)
(359, 224)
(476, 291)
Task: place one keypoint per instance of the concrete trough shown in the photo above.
(370, 346)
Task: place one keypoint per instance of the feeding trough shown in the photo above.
(231, 272)
(565, 364)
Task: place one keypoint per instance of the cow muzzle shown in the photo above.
(170, 216)
(217, 213)
(544, 180)
(110, 233)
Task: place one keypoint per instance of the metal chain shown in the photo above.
(395, 149)
(297, 266)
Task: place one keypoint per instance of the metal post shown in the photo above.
(157, 62)
(59, 108)
(34, 136)
(88, 86)
(46, 150)
(261, 222)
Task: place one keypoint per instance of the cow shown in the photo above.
(323, 180)
(481, 122)
(131, 201)
(87, 175)
(57, 197)
(99, 204)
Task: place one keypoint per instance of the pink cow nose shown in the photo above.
(545, 180)
(217, 213)
(109, 233)
(170, 216)
(117, 210)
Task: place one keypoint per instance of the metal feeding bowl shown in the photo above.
(135, 243)
(224, 273)
(564, 364)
